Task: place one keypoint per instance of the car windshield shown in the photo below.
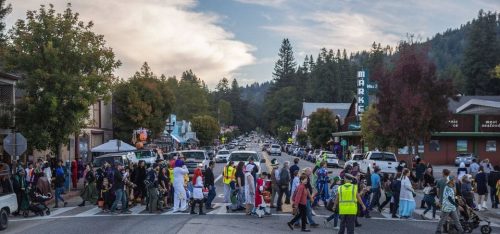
(144, 154)
(331, 156)
(358, 157)
(275, 146)
(193, 155)
(383, 157)
(224, 152)
(99, 161)
(242, 156)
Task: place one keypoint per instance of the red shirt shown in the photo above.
(300, 195)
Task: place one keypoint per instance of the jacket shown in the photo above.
(300, 195)
(209, 177)
(493, 178)
(284, 177)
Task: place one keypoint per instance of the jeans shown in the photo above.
(301, 215)
(396, 204)
(454, 220)
(431, 204)
(347, 222)
(494, 198)
(335, 218)
(241, 197)
(119, 196)
(387, 200)
(308, 213)
(210, 197)
(283, 190)
(375, 201)
(227, 193)
(59, 191)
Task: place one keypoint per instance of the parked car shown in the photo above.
(332, 160)
(355, 158)
(265, 146)
(8, 199)
(192, 158)
(275, 150)
(386, 161)
(148, 156)
(465, 158)
(124, 158)
(244, 156)
(222, 155)
(301, 152)
(210, 151)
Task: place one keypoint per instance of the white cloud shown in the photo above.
(268, 3)
(169, 35)
(338, 30)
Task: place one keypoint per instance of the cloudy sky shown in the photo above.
(240, 38)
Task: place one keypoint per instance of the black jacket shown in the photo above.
(209, 177)
(493, 178)
(117, 180)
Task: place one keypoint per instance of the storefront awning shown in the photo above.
(178, 139)
(466, 134)
(347, 134)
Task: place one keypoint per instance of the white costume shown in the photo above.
(249, 186)
(180, 203)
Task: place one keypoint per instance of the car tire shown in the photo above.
(4, 219)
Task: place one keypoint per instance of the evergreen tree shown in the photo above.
(284, 68)
(482, 54)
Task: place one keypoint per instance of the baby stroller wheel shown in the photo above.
(485, 229)
(47, 212)
(467, 228)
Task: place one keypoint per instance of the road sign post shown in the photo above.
(15, 144)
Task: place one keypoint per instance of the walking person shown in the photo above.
(493, 178)
(275, 177)
(210, 185)
(333, 191)
(152, 188)
(240, 185)
(180, 196)
(474, 168)
(376, 189)
(449, 206)
(249, 190)
(197, 191)
(396, 190)
(321, 184)
(347, 201)
(118, 186)
(139, 178)
(300, 204)
(430, 193)
(406, 196)
(59, 185)
(89, 192)
(482, 188)
(229, 180)
(386, 185)
(284, 182)
(428, 180)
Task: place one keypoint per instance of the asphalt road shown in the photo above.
(89, 219)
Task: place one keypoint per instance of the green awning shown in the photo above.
(347, 134)
(466, 134)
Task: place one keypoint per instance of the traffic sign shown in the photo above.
(15, 144)
(343, 143)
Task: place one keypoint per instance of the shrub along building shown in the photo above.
(474, 127)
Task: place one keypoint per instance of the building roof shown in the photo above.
(454, 105)
(479, 106)
(340, 109)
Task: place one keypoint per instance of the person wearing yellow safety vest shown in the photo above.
(228, 174)
(347, 201)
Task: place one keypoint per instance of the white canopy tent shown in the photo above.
(113, 146)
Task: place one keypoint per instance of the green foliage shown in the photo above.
(66, 68)
(206, 128)
(191, 97)
(321, 126)
(225, 112)
(142, 101)
(302, 138)
(5, 9)
(282, 108)
(371, 130)
(283, 133)
(284, 68)
(482, 54)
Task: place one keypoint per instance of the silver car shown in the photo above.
(465, 158)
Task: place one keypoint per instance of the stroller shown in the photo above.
(265, 207)
(37, 204)
(469, 219)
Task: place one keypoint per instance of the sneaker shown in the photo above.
(314, 225)
(290, 225)
(336, 227)
(423, 216)
(65, 204)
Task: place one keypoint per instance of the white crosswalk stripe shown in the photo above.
(93, 211)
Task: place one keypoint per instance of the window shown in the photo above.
(491, 146)
(434, 146)
(376, 156)
(461, 145)
(96, 115)
(389, 158)
(243, 156)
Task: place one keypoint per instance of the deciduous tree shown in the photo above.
(206, 128)
(65, 66)
(321, 126)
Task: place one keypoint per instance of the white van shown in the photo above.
(8, 200)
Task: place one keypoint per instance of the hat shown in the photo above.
(449, 178)
(274, 162)
(349, 177)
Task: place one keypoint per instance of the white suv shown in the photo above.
(8, 200)
(275, 150)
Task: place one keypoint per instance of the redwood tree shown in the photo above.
(413, 102)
